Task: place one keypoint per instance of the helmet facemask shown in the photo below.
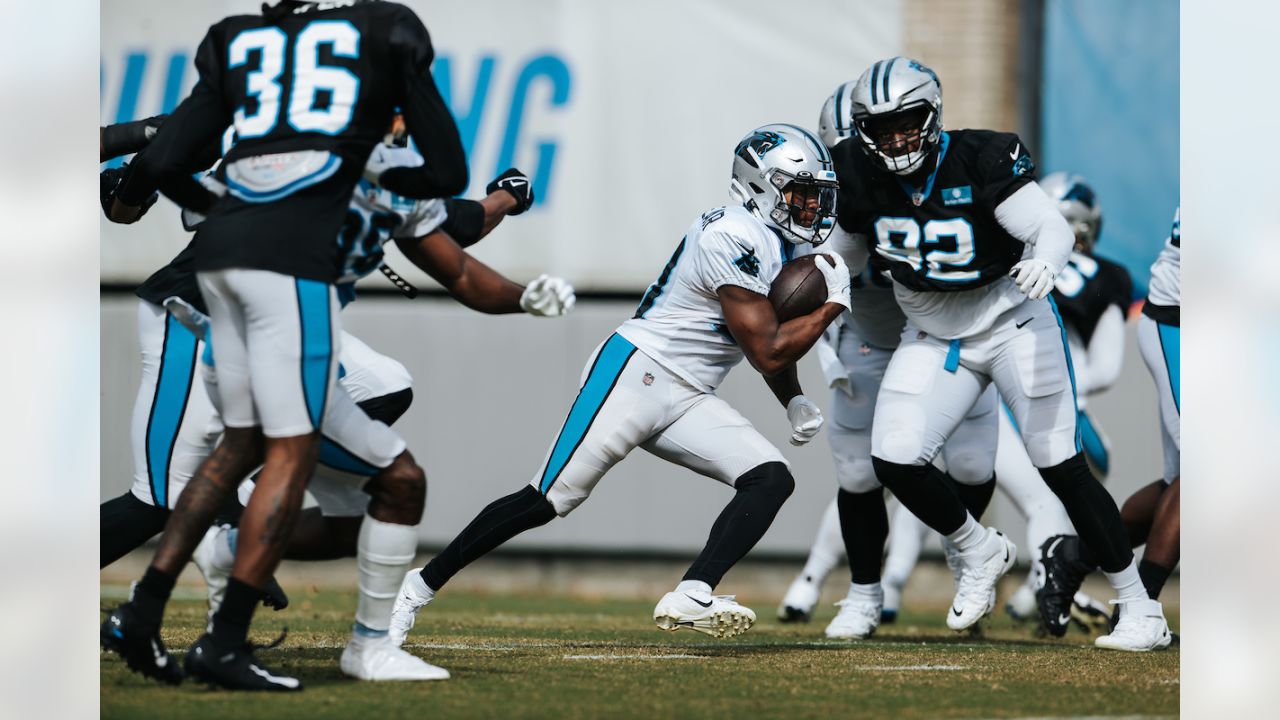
(900, 141)
(806, 207)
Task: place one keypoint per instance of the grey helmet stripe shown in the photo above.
(887, 71)
(875, 74)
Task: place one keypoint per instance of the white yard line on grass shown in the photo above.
(909, 668)
(636, 657)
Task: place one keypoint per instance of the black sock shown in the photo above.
(151, 594)
(976, 498)
(502, 520)
(1092, 510)
(1153, 577)
(925, 491)
(230, 626)
(760, 494)
(124, 523)
(864, 525)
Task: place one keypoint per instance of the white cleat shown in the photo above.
(797, 605)
(1091, 615)
(955, 562)
(414, 595)
(215, 576)
(858, 618)
(1141, 628)
(379, 659)
(719, 616)
(981, 569)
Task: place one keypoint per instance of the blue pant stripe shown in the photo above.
(601, 379)
(169, 404)
(1071, 371)
(1171, 348)
(339, 458)
(317, 345)
(1094, 449)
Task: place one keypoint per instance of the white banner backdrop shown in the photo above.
(625, 115)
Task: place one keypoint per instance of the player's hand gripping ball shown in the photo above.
(802, 286)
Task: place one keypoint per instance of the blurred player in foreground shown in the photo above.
(652, 383)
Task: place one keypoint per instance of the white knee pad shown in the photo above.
(970, 466)
(899, 432)
(851, 450)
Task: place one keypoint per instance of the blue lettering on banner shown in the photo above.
(538, 84)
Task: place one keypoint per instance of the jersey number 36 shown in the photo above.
(309, 78)
(903, 240)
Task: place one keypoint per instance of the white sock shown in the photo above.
(384, 552)
(871, 592)
(905, 538)
(828, 547)
(1128, 583)
(969, 536)
(224, 548)
(693, 586)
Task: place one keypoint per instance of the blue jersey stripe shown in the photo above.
(603, 377)
(169, 404)
(1171, 348)
(1071, 372)
(339, 458)
(317, 345)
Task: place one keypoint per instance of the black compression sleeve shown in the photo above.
(126, 138)
(465, 221)
(428, 118)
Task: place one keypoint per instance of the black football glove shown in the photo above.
(109, 181)
(516, 183)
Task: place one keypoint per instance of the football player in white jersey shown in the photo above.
(652, 383)
(378, 526)
(1152, 513)
(855, 353)
(972, 265)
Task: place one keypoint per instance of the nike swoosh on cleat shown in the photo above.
(954, 611)
(1006, 553)
(706, 604)
(1064, 619)
(1049, 553)
(282, 681)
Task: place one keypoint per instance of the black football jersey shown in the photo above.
(177, 279)
(325, 77)
(1086, 287)
(942, 236)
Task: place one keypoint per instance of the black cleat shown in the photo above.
(1064, 572)
(273, 596)
(139, 646)
(235, 668)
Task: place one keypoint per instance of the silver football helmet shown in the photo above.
(835, 123)
(783, 174)
(897, 111)
(1078, 204)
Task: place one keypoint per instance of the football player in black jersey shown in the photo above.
(973, 246)
(310, 88)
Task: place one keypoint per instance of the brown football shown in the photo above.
(798, 290)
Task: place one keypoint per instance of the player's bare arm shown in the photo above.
(771, 347)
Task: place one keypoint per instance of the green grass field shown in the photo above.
(559, 657)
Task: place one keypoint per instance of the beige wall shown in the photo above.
(973, 46)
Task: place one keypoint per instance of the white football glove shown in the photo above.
(836, 275)
(806, 419)
(547, 296)
(383, 158)
(1034, 277)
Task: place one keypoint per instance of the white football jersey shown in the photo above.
(680, 323)
(376, 215)
(1165, 289)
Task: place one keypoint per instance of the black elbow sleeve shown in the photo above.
(465, 221)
